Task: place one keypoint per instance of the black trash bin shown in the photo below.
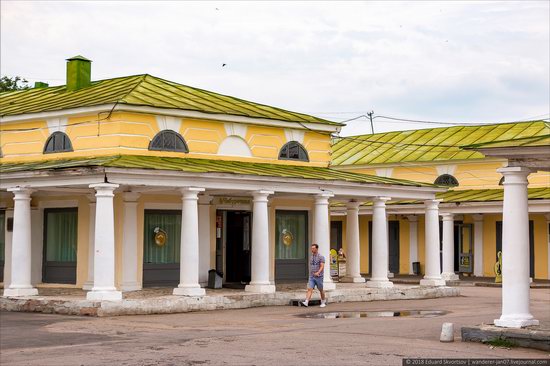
(214, 279)
(416, 268)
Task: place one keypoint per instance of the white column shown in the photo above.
(515, 250)
(413, 241)
(432, 276)
(189, 253)
(478, 245)
(89, 284)
(204, 238)
(321, 235)
(37, 244)
(130, 244)
(20, 282)
(353, 260)
(448, 248)
(380, 251)
(259, 281)
(104, 245)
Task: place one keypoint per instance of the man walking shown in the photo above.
(316, 272)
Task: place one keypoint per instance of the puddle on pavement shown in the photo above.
(374, 314)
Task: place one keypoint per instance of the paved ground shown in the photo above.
(259, 336)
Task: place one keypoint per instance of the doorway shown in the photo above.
(393, 246)
(233, 246)
(531, 245)
(161, 248)
(291, 245)
(60, 245)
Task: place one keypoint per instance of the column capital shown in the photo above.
(104, 189)
(21, 193)
(380, 201)
(91, 198)
(447, 216)
(131, 196)
(205, 199)
(477, 217)
(514, 175)
(432, 204)
(323, 198)
(412, 218)
(261, 194)
(191, 193)
(353, 205)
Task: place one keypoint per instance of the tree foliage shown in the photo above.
(13, 83)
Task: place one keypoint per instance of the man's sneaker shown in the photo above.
(304, 304)
(323, 304)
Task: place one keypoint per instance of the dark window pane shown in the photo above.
(294, 151)
(58, 142)
(168, 140)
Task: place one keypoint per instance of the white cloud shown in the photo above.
(453, 61)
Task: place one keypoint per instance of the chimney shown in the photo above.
(78, 73)
(40, 84)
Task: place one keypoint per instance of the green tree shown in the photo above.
(13, 83)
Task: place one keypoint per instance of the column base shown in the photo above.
(15, 292)
(88, 285)
(260, 288)
(195, 291)
(380, 284)
(130, 286)
(425, 282)
(101, 295)
(329, 286)
(356, 279)
(516, 321)
(450, 276)
(391, 275)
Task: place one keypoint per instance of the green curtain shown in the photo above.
(61, 235)
(170, 251)
(294, 224)
(2, 235)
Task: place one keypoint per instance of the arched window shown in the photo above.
(293, 151)
(58, 142)
(501, 181)
(446, 180)
(168, 140)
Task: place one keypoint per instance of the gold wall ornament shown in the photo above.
(160, 236)
(288, 238)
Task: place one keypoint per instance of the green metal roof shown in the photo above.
(194, 165)
(434, 144)
(471, 195)
(142, 90)
(534, 141)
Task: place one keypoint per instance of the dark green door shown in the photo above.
(60, 245)
(291, 245)
(161, 261)
(531, 245)
(2, 243)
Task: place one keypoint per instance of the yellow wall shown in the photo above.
(480, 174)
(130, 133)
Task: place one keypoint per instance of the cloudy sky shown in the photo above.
(463, 61)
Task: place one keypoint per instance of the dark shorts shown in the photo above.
(315, 281)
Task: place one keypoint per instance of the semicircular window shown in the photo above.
(293, 150)
(446, 180)
(168, 140)
(58, 142)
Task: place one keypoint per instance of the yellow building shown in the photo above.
(136, 181)
(473, 203)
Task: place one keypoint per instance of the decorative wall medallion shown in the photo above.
(288, 238)
(160, 236)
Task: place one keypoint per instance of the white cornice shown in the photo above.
(170, 112)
